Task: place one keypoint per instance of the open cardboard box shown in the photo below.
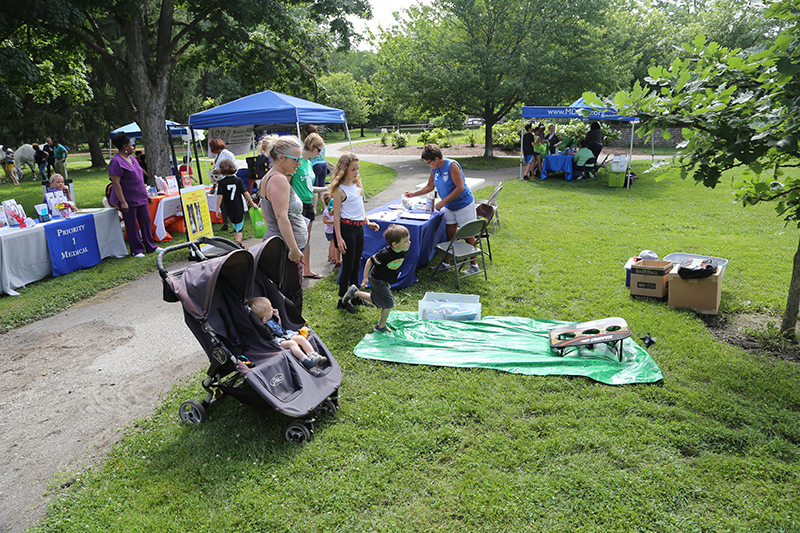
(702, 295)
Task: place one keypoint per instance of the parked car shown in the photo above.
(475, 122)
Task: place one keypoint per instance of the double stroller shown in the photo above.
(252, 369)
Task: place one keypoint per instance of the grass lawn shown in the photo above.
(714, 447)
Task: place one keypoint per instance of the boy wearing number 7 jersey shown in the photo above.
(231, 191)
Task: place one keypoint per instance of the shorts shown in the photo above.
(237, 226)
(330, 236)
(320, 174)
(380, 293)
(308, 212)
(461, 216)
(529, 159)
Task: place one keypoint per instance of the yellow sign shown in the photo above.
(195, 212)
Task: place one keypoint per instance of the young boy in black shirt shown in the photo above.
(381, 270)
(231, 191)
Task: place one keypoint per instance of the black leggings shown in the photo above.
(353, 237)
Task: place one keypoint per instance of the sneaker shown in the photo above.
(346, 306)
(472, 269)
(378, 329)
(361, 301)
(442, 267)
(313, 359)
(348, 296)
(224, 227)
(139, 255)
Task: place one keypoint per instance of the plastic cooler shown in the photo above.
(678, 257)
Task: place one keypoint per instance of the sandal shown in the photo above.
(313, 275)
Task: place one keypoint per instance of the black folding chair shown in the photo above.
(486, 211)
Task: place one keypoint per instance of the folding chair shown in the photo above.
(462, 252)
(588, 170)
(492, 201)
(486, 211)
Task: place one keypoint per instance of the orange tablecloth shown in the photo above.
(166, 220)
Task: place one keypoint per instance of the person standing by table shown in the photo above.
(456, 201)
(527, 151)
(283, 210)
(217, 147)
(129, 195)
(552, 139)
(231, 194)
(594, 139)
(60, 155)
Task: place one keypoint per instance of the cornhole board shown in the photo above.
(610, 331)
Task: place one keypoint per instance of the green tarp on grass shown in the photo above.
(512, 344)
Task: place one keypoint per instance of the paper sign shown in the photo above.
(195, 212)
(237, 140)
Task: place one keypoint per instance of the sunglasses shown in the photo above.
(296, 159)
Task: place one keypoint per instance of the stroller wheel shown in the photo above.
(193, 412)
(327, 408)
(297, 433)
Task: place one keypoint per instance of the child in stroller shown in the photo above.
(270, 327)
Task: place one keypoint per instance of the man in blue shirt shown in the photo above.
(60, 153)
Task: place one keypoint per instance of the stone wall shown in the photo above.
(658, 140)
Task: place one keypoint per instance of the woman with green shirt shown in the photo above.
(303, 184)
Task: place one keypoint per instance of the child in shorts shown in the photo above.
(381, 270)
(327, 218)
(291, 340)
(231, 191)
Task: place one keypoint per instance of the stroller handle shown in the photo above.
(219, 242)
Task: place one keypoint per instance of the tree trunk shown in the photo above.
(789, 323)
(98, 161)
(488, 149)
(150, 73)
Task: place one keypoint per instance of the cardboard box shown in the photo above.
(446, 306)
(702, 295)
(650, 278)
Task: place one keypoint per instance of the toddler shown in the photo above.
(291, 340)
(381, 270)
(327, 217)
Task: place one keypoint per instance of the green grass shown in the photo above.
(714, 447)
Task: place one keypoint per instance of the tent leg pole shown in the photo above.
(630, 159)
(347, 129)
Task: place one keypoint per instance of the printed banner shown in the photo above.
(72, 244)
(195, 212)
(237, 139)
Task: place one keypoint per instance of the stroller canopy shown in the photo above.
(196, 286)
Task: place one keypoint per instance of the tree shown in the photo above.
(737, 109)
(481, 58)
(345, 93)
(141, 42)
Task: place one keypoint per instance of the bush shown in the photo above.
(452, 120)
(577, 130)
(507, 136)
(385, 137)
(471, 138)
(399, 139)
(440, 136)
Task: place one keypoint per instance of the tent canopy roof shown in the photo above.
(135, 132)
(574, 111)
(264, 108)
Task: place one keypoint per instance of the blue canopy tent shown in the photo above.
(135, 132)
(267, 108)
(576, 110)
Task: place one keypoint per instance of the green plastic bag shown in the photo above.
(259, 225)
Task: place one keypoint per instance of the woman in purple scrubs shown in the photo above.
(129, 195)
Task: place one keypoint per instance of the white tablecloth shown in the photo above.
(24, 257)
(473, 183)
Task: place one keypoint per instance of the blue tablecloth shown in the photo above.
(425, 234)
(557, 163)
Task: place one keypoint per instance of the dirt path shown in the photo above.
(71, 383)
